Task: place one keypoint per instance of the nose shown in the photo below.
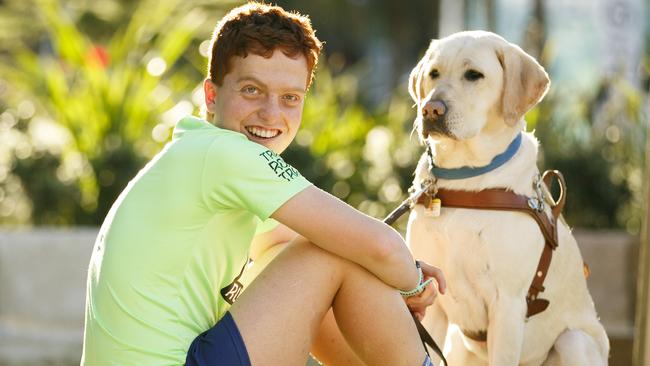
(434, 109)
(271, 110)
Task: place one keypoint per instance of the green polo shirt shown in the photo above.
(168, 255)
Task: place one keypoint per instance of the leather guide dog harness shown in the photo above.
(494, 199)
(504, 200)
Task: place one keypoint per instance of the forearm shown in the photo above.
(336, 227)
(392, 262)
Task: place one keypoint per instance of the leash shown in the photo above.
(408, 203)
(404, 207)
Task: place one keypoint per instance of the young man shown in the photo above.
(168, 257)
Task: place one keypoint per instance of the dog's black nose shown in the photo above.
(434, 109)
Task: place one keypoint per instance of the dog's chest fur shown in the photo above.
(483, 254)
(479, 257)
(486, 255)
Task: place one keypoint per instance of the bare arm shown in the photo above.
(340, 229)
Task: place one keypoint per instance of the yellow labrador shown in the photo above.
(472, 90)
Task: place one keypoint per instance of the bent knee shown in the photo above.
(313, 254)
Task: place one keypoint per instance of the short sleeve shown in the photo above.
(239, 173)
(266, 226)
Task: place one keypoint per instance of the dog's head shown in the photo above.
(473, 81)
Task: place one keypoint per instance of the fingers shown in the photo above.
(423, 299)
(431, 271)
(419, 315)
(418, 304)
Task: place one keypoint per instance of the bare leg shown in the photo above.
(330, 347)
(280, 313)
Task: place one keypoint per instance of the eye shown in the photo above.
(472, 75)
(250, 89)
(434, 74)
(291, 98)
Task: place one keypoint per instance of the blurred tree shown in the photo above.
(90, 94)
(109, 98)
(598, 145)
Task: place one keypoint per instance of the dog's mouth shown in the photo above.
(435, 128)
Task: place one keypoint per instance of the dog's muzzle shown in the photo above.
(433, 118)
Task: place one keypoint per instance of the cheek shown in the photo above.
(480, 100)
(294, 117)
(236, 108)
(469, 112)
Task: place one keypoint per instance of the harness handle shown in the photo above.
(556, 205)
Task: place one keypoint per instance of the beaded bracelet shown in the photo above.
(421, 285)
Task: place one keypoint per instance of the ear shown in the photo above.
(210, 92)
(524, 83)
(415, 79)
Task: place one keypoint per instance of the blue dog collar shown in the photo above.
(469, 172)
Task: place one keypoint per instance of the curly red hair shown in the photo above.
(261, 29)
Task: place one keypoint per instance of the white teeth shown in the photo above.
(259, 132)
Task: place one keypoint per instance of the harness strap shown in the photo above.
(504, 200)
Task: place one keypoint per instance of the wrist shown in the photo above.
(421, 285)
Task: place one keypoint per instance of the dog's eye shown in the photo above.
(472, 75)
(434, 74)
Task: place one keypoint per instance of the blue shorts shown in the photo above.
(219, 345)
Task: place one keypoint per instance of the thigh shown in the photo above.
(330, 348)
(279, 314)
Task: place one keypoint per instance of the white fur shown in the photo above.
(489, 257)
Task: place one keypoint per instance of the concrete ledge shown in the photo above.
(43, 289)
(43, 278)
(612, 258)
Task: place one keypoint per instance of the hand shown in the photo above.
(419, 303)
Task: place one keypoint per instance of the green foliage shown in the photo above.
(108, 99)
(597, 140)
(89, 94)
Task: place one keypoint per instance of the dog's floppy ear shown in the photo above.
(415, 79)
(524, 83)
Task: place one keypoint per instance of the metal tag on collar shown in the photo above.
(433, 208)
(432, 205)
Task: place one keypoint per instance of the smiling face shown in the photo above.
(261, 98)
